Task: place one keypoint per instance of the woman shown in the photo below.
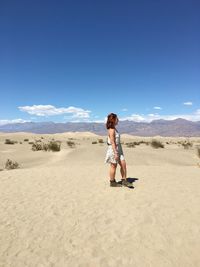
(114, 153)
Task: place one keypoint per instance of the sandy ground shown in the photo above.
(58, 209)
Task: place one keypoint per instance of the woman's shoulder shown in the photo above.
(111, 131)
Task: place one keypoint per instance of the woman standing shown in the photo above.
(114, 153)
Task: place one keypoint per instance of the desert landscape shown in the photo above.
(58, 209)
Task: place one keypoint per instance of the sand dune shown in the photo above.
(58, 210)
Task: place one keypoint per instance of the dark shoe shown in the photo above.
(126, 183)
(115, 184)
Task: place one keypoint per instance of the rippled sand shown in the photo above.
(58, 209)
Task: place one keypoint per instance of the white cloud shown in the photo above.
(188, 103)
(151, 116)
(133, 117)
(3, 122)
(124, 109)
(157, 108)
(49, 110)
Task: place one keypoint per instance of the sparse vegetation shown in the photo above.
(187, 144)
(130, 144)
(11, 164)
(10, 142)
(26, 140)
(156, 144)
(71, 143)
(136, 143)
(94, 142)
(198, 152)
(100, 141)
(52, 145)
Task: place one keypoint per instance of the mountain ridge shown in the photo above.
(177, 127)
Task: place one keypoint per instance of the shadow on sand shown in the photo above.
(130, 180)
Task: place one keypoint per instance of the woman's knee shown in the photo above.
(123, 164)
(113, 165)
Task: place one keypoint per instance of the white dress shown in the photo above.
(110, 156)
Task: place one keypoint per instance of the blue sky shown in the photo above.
(80, 60)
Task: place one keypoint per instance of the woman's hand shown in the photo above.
(116, 156)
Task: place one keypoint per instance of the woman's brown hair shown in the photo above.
(111, 118)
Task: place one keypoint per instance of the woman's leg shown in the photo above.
(113, 167)
(123, 169)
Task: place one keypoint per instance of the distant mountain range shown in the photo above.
(177, 127)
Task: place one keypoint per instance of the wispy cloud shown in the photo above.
(156, 107)
(3, 122)
(189, 103)
(124, 109)
(49, 110)
(150, 117)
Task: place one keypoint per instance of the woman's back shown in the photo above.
(117, 138)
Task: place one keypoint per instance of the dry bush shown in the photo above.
(156, 144)
(198, 152)
(26, 140)
(11, 164)
(52, 145)
(130, 144)
(187, 144)
(71, 143)
(36, 146)
(100, 141)
(10, 142)
(94, 142)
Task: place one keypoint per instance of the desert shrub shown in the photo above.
(9, 142)
(54, 146)
(20, 142)
(130, 144)
(36, 146)
(70, 143)
(42, 137)
(31, 142)
(187, 144)
(137, 143)
(94, 142)
(198, 152)
(38, 140)
(45, 147)
(11, 164)
(26, 140)
(156, 144)
(100, 141)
